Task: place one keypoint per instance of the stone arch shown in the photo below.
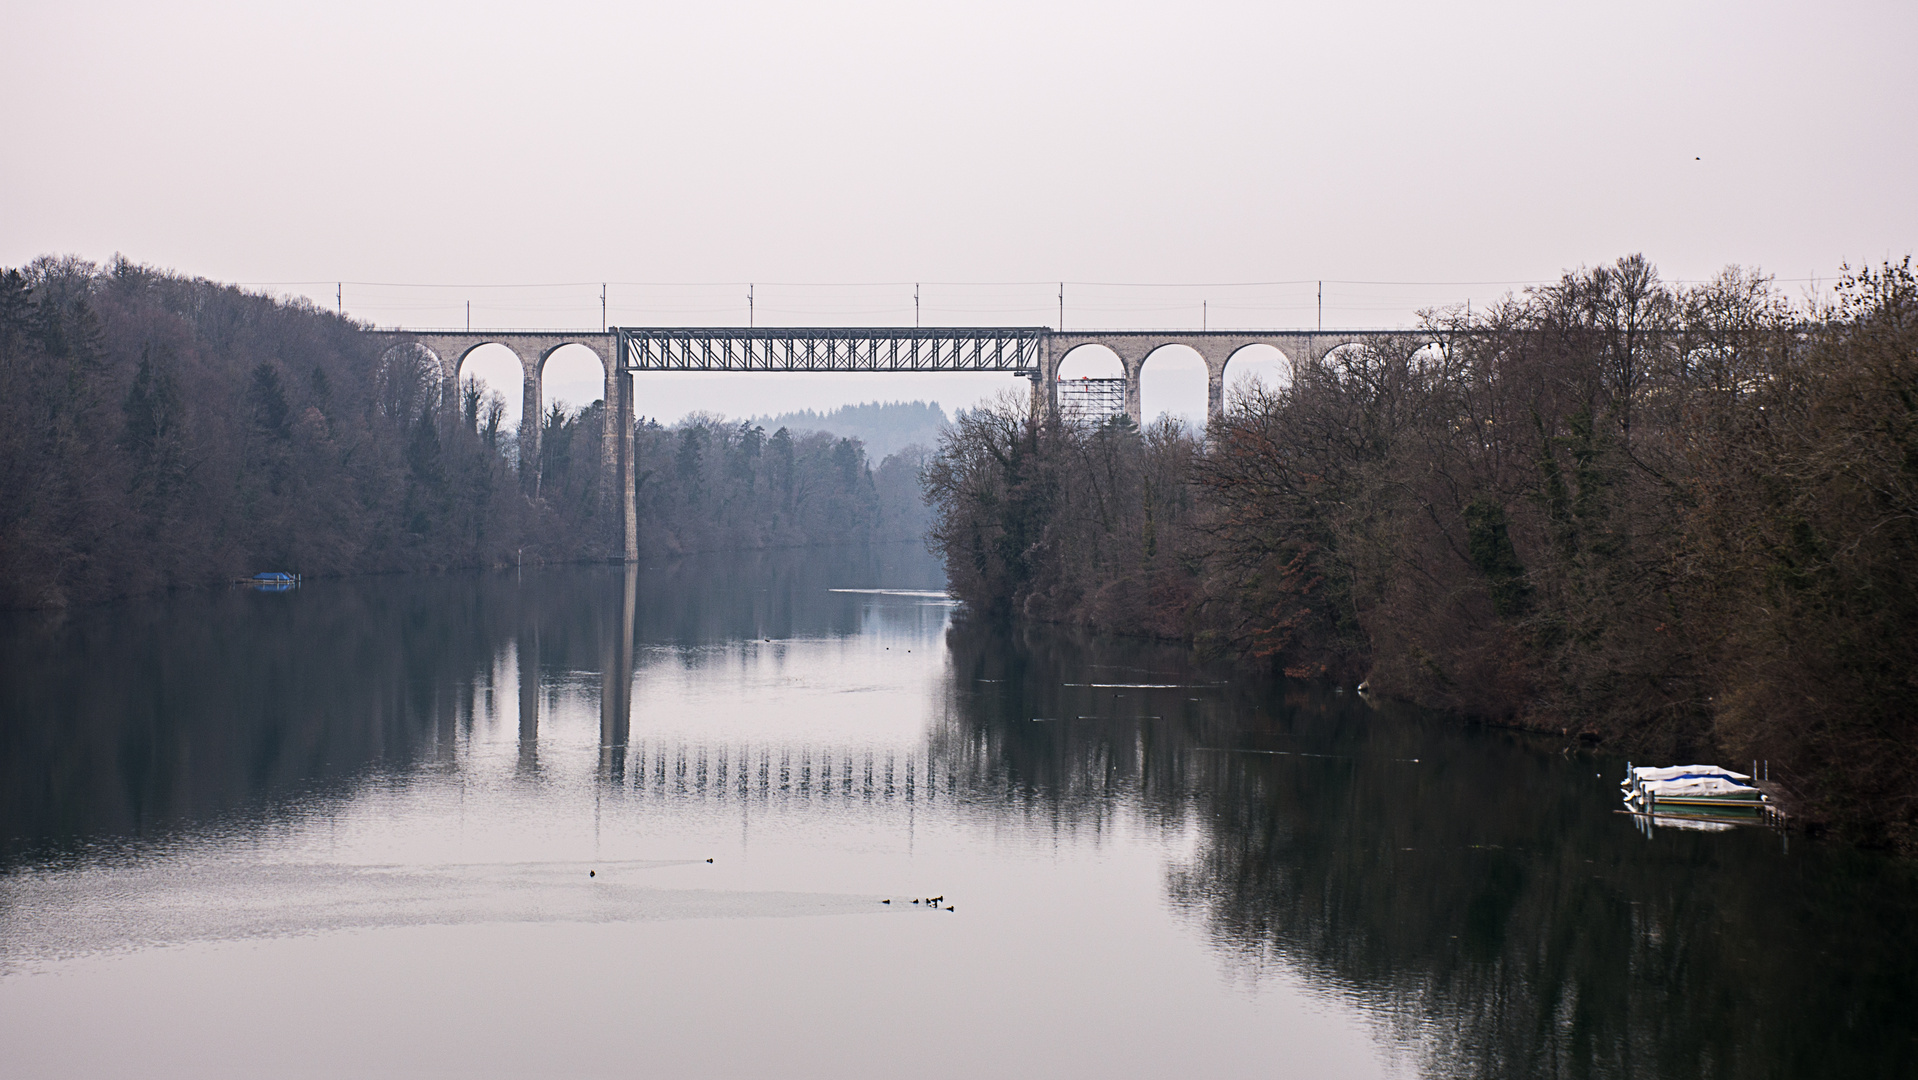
(433, 367)
(1082, 360)
(1339, 357)
(572, 384)
(1427, 356)
(580, 390)
(1325, 347)
(502, 369)
(603, 355)
(436, 356)
(1296, 350)
(1089, 359)
(463, 352)
(1188, 392)
(1264, 362)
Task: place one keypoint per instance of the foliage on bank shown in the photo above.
(1681, 520)
(159, 431)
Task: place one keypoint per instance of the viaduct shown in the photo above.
(1034, 353)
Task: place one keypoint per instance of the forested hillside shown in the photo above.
(160, 431)
(1680, 520)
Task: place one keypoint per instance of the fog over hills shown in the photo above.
(885, 427)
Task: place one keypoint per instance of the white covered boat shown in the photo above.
(1692, 789)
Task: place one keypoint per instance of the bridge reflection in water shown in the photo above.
(722, 771)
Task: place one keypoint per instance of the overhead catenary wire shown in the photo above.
(888, 284)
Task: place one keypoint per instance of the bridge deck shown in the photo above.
(1018, 350)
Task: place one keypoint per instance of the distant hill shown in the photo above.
(884, 427)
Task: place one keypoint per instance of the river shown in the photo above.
(593, 822)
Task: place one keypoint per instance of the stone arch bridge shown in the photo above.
(1028, 352)
(450, 348)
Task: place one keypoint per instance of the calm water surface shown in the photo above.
(461, 826)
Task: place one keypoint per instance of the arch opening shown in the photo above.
(1091, 386)
(1173, 383)
(1345, 361)
(574, 377)
(1091, 362)
(1429, 357)
(493, 369)
(1253, 371)
(411, 381)
(576, 435)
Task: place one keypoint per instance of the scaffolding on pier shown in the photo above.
(1091, 401)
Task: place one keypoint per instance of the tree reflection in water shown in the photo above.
(1471, 887)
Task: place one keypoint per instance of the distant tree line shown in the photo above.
(885, 427)
(1678, 520)
(159, 431)
(708, 484)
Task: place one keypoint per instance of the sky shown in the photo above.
(1173, 164)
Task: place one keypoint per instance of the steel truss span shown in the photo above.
(1015, 349)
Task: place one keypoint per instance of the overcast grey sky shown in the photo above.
(485, 148)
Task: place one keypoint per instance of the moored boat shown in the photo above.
(271, 581)
(1692, 789)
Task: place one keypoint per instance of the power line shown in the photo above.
(337, 283)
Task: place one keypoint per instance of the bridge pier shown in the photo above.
(615, 416)
(1134, 368)
(628, 473)
(529, 433)
(1045, 384)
